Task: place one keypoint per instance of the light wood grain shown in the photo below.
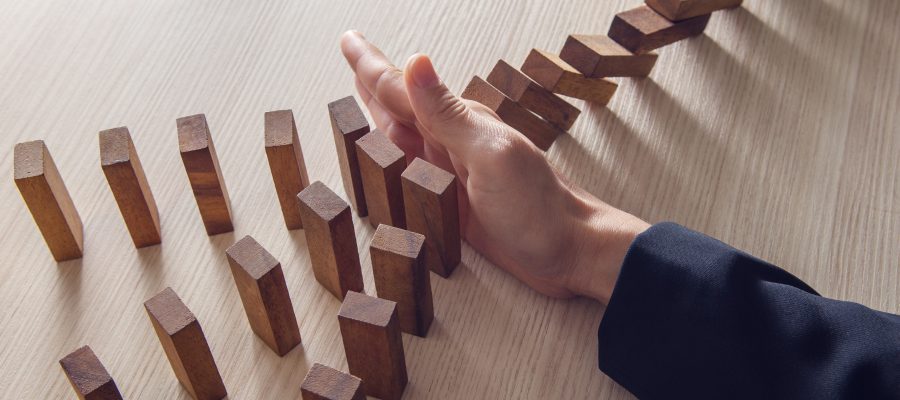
(776, 131)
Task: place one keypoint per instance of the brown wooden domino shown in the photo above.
(432, 209)
(348, 123)
(286, 163)
(182, 339)
(521, 89)
(88, 376)
(202, 165)
(264, 293)
(47, 198)
(556, 75)
(398, 264)
(598, 56)
(380, 164)
(678, 10)
(641, 29)
(326, 383)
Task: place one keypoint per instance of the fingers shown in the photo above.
(378, 75)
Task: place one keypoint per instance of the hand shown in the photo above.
(515, 208)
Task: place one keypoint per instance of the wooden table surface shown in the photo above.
(777, 131)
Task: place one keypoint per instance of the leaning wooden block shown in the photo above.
(528, 93)
(432, 209)
(380, 164)
(88, 376)
(678, 10)
(641, 29)
(598, 56)
(47, 198)
(373, 345)
(348, 123)
(331, 239)
(326, 383)
(129, 186)
(286, 163)
(398, 263)
(202, 166)
(556, 75)
(185, 345)
(264, 293)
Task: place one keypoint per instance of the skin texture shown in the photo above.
(515, 208)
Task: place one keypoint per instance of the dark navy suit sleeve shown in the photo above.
(693, 318)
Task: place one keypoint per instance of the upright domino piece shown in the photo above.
(641, 29)
(202, 166)
(88, 376)
(380, 164)
(47, 198)
(348, 123)
(521, 89)
(331, 239)
(182, 339)
(398, 263)
(373, 345)
(264, 293)
(286, 163)
(678, 10)
(558, 76)
(432, 209)
(123, 170)
(326, 383)
(598, 56)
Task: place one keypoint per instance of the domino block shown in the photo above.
(331, 239)
(264, 293)
(556, 75)
(598, 56)
(326, 383)
(286, 163)
(521, 89)
(202, 166)
(88, 376)
(47, 198)
(123, 170)
(398, 264)
(641, 29)
(182, 339)
(380, 164)
(373, 345)
(678, 10)
(348, 123)
(432, 209)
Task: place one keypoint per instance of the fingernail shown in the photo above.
(423, 72)
(354, 34)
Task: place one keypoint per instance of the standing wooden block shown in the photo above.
(88, 376)
(202, 166)
(641, 29)
(331, 239)
(348, 123)
(373, 344)
(521, 89)
(678, 10)
(264, 293)
(286, 163)
(556, 75)
(398, 263)
(326, 383)
(129, 186)
(432, 209)
(47, 198)
(598, 56)
(182, 339)
(380, 164)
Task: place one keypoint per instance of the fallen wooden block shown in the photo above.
(678, 10)
(373, 344)
(182, 339)
(47, 198)
(598, 56)
(123, 170)
(432, 209)
(88, 376)
(557, 76)
(202, 165)
(286, 163)
(398, 264)
(528, 93)
(326, 383)
(331, 239)
(380, 164)
(641, 29)
(264, 293)
(348, 123)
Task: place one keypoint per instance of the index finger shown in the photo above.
(378, 75)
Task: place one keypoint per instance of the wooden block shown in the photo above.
(373, 346)
(348, 123)
(326, 383)
(521, 89)
(678, 10)
(182, 339)
(331, 239)
(129, 186)
(641, 29)
(598, 56)
(380, 164)
(264, 293)
(88, 376)
(47, 198)
(286, 163)
(398, 264)
(432, 209)
(202, 166)
(556, 75)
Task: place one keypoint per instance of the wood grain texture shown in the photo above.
(559, 77)
(88, 376)
(598, 56)
(204, 174)
(432, 209)
(677, 10)
(380, 164)
(641, 30)
(401, 276)
(326, 383)
(348, 124)
(286, 162)
(529, 94)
